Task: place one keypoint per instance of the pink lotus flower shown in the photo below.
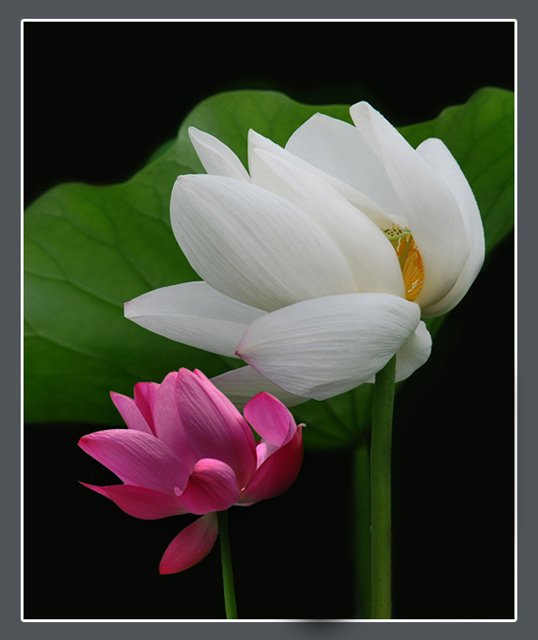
(189, 450)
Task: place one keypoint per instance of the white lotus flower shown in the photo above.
(318, 264)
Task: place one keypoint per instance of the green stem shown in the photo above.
(227, 572)
(380, 475)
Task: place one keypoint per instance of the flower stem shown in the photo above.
(380, 475)
(227, 572)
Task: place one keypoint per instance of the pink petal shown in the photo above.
(212, 487)
(131, 413)
(277, 473)
(214, 427)
(137, 458)
(145, 394)
(168, 424)
(263, 451)
(191, 545)
(140, 502)
(270, 419)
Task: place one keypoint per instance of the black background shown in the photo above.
(98, 99)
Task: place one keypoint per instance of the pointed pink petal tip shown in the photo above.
(130, 412)
(140, 502)
(270, 418)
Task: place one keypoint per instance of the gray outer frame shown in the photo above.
(526, 381)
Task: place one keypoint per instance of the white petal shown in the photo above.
(195, 314)
(432, 212)
(216, 157)
(241, 385)
(442, 161)
(253, 246)
(371, 258)
(383, 219)
(323, 347)
(338, 149)
(414, 353)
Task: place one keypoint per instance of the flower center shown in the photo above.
(409, 258)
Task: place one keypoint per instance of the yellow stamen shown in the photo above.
(409, 258)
